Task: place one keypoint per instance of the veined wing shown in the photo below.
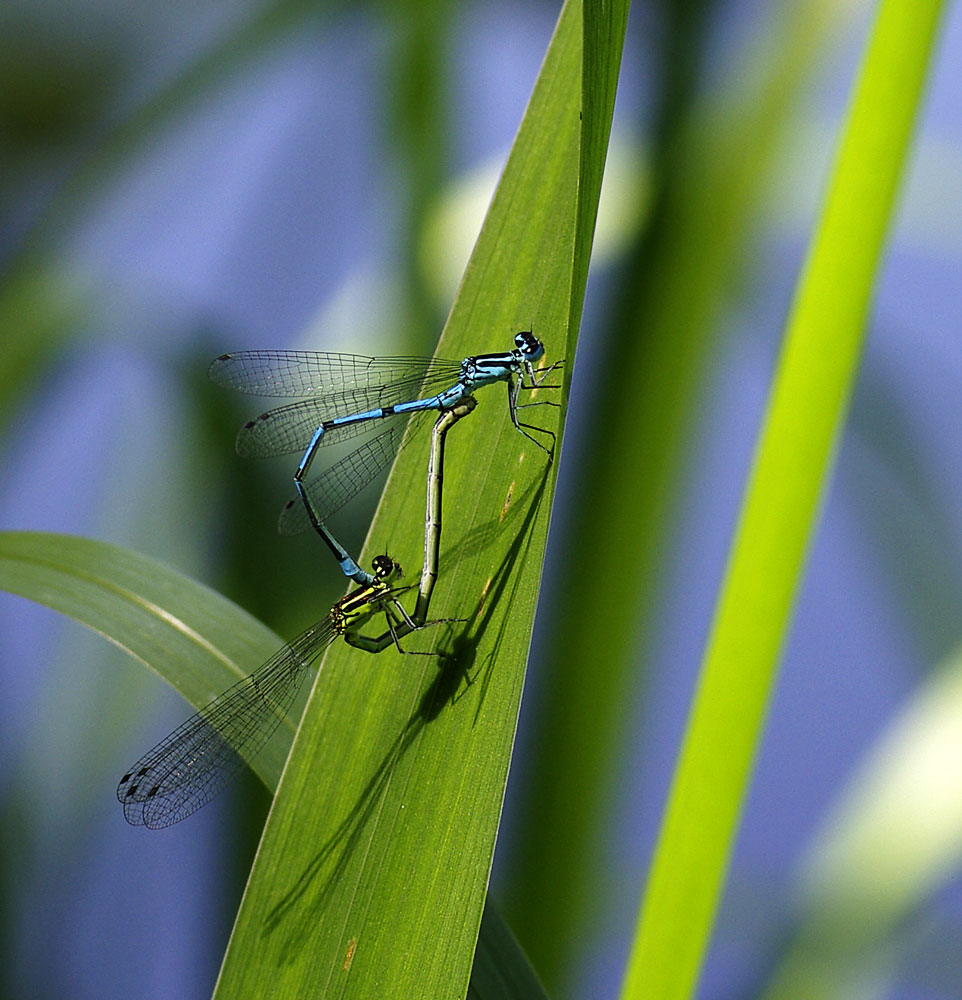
(289, 429)
(200, 757)
(340, 483)
(304, 373)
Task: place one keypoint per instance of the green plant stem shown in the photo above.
(806, 409)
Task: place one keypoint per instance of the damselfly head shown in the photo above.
(530, 348)
(385, 569)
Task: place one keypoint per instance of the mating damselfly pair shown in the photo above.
(349, 395)
(346, 396)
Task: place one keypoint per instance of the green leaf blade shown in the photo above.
(371, 877)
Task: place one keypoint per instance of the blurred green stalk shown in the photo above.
(712, 176)
(806, 410)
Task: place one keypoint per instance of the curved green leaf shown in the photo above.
(192, 636)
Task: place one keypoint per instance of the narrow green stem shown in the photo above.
(806, 409)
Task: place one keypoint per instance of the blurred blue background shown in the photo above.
(186, 179)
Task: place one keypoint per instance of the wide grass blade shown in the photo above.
(371, 875)
(806, 408)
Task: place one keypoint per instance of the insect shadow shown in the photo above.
(303, 902)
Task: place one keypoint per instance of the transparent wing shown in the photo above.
(302, 373)
(336, 486)
(290, 428)
(200, 757)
